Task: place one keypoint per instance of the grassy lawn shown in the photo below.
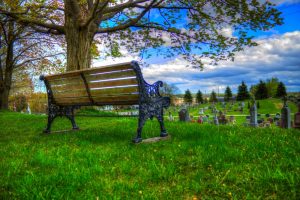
(202, 161)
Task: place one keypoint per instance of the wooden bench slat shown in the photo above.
(116, 99)
(73, 101)
(115, 91)
(134, 102)
(66, 83)
(61, 88)
(98, 99)
(113, 74)
(108, 68)
(70, 93)
(112, 83)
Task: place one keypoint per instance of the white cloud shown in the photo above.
(277, 56)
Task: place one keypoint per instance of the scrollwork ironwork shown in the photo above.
(55, 110)
(151, 103)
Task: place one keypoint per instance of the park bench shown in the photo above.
(119, 84)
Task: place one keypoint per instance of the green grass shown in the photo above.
(203, 161)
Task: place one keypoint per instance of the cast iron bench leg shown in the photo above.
(163, 132)
(70, 115)
(50, 120)
(141, 123)
(53, 112)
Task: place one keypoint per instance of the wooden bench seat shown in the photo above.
(120, 84)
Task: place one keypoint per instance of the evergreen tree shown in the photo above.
(242, 92)
(281, 90)
(272, 85)
(205, 100)
(262, 91)
(248, 105)
(257, 105)
(228, 94)
(188, 97)
(213, 97)
(199, 97)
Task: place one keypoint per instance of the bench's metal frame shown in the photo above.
(151, 104)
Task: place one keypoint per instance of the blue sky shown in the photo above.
(276, 56)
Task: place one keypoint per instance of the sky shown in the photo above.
(277, 55)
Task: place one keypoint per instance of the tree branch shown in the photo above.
(34, 59)
(129, 22)
(31, 21)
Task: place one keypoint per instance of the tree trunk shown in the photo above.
(78, 50)
(6, 80)
(4, 94)
(79, 40)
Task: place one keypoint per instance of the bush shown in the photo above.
(38, 102)
(18, 103)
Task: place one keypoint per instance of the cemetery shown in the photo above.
(214, 159)
(149, 99)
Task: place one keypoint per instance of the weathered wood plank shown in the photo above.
(97, 99)
(115, 91)
(66, 87)
(134, 102)
(113, 83)
(107, 99)
(114, 74)
(70, 81)
(107, 68)
(70, 94)
(72, 101)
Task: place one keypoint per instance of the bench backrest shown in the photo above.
(108, 85)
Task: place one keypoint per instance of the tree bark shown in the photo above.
(5, 85)
(4, 94)
(79, 40)
(78, 49)
(5, 82)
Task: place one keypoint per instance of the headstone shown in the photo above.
(184, 115)
(285, 115)
(223, 105)
(28, 109)
(216, 121)
(253, 114)
(171, 118)
(297, 118)
(232, 119)
(200, 119)
(205, 119)
(201, 112)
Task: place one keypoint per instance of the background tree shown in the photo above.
(281, 90)
(228, 94)
(169, 90)
(213, 97)
(242, 92)
(205, 100)
(199, 97)
(130, 24)
(22, 49)
(262, 91)
(188, 97)
(253, 89)
(272, 85)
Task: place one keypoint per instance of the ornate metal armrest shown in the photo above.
(153, 90)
